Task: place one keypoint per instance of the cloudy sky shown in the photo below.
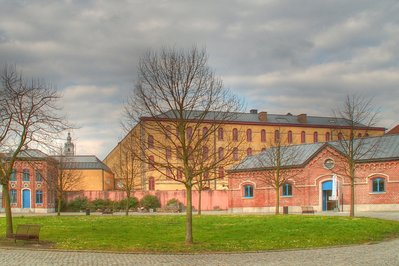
(280, 56)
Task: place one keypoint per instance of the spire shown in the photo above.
(69, 147)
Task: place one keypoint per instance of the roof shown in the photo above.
(82, 162)
(394, 130)
(254, 117)
(31, 154)
(382, 148)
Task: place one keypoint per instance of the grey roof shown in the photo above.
(288, 119)
(31, 154)
(380, 148)
(82, 162)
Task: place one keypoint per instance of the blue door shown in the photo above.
(26, 198)
(327, 191)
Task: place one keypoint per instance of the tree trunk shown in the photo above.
(352, 203)
(59, 205)
(127, 205)
(6, 197)
(189, 216)
(277, 201)
(199, 201)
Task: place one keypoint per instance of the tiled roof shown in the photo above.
(32, 154)
(288, 119)
(82, 162)
(394, 130)
(381, 148)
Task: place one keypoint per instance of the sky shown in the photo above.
(279, 56)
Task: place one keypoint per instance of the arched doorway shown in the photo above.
(26, 198)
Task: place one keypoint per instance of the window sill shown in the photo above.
(288, 196)
(377, 193)
(247, 197)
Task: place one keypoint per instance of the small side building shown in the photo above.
(33, 175)
(320, 180)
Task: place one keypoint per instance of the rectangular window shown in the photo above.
(13, 196)
(39, 177)
(248, 191)
(287, 190)
(378, 185)
(13, 175)
(25, 175)
(39, 197)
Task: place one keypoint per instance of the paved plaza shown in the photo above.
(383, 253)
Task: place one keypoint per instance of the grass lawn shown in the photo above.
(164, 233)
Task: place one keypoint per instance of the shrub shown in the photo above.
(150, 202)
(80, 203)
(173, 202)
(101, 204)
(133, 202)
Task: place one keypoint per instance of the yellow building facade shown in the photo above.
(245, 134)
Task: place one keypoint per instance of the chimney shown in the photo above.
(253, 111)
(262, 116)
(302, 118)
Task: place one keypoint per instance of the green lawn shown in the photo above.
(160, 233)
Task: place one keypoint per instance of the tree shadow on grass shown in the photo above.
(10, 243)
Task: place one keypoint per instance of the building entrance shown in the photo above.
(327, 203)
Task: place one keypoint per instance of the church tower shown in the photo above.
(69, 147)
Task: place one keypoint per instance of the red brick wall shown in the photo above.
(307, 185)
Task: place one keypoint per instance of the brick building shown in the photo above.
(320, 180)
(31, 182)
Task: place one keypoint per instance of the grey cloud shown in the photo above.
(281, 56)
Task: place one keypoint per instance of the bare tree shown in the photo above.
(361, 116)
(29, 115)
(68, 179)
(278, 163)
(128, 168)
(178, 105)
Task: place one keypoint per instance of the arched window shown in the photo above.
(287, 190)
(169, 172)
(235, 154)
(220, 153)
(167, 132)
(249, 135)
(39, 197)
(189, 133)
(235, 134)
(179, 153)
(220, 134)
(13, 196)
(263, 135)
(366, 134)
(289, 137)
(328, 136)
(378, 185)
(248, 191)
(249, 151)
(151, 183)
(39, 177)
(276, 136)
(168, 153)
(221, 172)
(206, 175)
(25, 175)
(340, 136)
(179, 174)
(13, 175)
(150, 163)
(204, 132)
(315, 137)
(359, 135)
(205, 153)
(150, 141)
(303, 137)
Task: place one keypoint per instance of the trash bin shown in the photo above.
(285, 209)
(87, 211)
